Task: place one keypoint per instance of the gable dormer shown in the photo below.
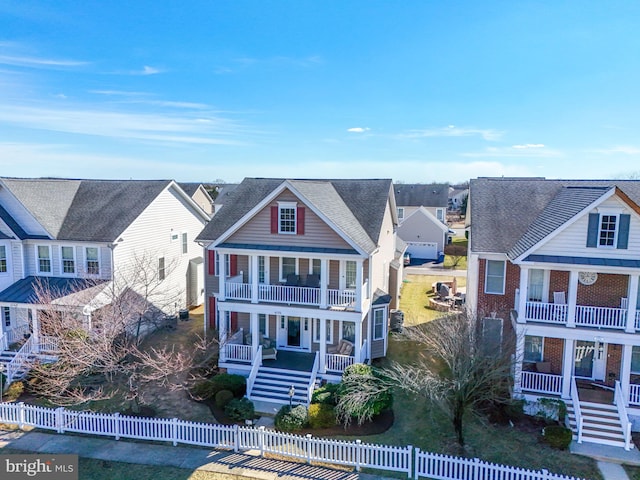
(608, 228)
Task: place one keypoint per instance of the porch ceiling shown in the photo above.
(592, 261)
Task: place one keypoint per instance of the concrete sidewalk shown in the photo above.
(225, 464)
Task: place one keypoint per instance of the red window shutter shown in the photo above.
(274, 219)
(234, 321)
(212, 262)
(233, 267)
(300, 221)
(212, 312)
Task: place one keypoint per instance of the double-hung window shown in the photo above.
(608, 231)
(494, 279)
(533, 348)
(378, 324)
(440, 214)
(288, 266)
(68, 257)
(185, 245)
(161, 269)
(44, 258)
(286, 217)
(400, 213)
(6, 316)
(227, 264)
(92, 257)
(3, 259)
(536, 285)
(350, 274)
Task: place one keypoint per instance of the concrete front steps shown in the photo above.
(600, 423)
(272, 386)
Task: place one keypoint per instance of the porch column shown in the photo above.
(35, 330)
(222, 327)
(358, 341)
(524, 295)
(359, 266)
(255, 334)
(631, 307)
(322, 368)
(625, 371)
(517, 367)
(567, 367)
(324, 281)
(253, 274)
(572, 298)
(222, 276)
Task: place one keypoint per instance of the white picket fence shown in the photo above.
(413, 462)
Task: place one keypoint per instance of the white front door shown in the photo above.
(294, 332)
(590, 360)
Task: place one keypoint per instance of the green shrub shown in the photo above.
(557, 436)
(203, 390)
(236, 384)
(14, 391)
(362, 394)
(326, 394)
(291, 419)
(223, 397)
(322, 415)
(240, 409)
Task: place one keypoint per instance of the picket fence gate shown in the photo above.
(415, 463)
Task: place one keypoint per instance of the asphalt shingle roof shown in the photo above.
(421, 195)
(510, 215)
(26, 290)
(356, 207)
(85, 210)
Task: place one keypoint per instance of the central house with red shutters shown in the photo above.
(301, 276)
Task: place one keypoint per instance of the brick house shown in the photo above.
(557, 261)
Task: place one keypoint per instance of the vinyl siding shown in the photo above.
(573, 240)
(317, 233)
(420, 228)
(385, 254)
(30, 248)
(377, 349)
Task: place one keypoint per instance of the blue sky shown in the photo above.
(413, 90)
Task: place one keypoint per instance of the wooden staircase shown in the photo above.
(272, 385)
(600, 423)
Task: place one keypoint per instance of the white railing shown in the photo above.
(576, 408)
(237, 291)
(363, 352)
(48, 344)
(337, 363)
(4, 342)
(445, 467)
(546, 312)
(312, 379)
(285, 294)
(620, 402)
(637, 320)
(237, 352)
(254, 371)
(341, 298)
(634, 394)
(18, 333)
(601, 317)
(20, 361)
(541, 383)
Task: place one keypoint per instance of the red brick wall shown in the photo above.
(606, 292)
(614, 361)
(553, 352)
(558, 282)
(501, 304)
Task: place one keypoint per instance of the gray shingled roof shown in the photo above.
(224, 192)
(85, 210)
(356, 207)
(421, 195)
(189, 187)
(510, 215)
(26, 290)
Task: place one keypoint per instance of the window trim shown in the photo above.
(316, 330)
(616, 230)
(40, 272)
(382, 324)
(162, 269)
(6, 316)
(524, 351)
(6, 261)
(288, 206)
(62, 260)
(342, 322)
(265, 269)
(440, 214)
(227, 264)
(486, 276)
(311, 260)
(280, 264)
(631, 367)
(400, 213)
(86, 261)
(184, 243)
(266, 324)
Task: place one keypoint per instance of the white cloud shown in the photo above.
(513, 152)
(358, 129)
(528, 145)
(147, 70)
(624, 149)
(23, 61)
(453, 131)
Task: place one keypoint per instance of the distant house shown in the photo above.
(224, 194)
(421, 212)
(199, 195)
(558, 261)
(300, 278)
(457, 195)
(69, 235)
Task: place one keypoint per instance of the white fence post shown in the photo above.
(358, 455)
(236, 439)
(409, 451)
(416, 461)
(308, 447)
(21, 415)
(261, 440)
(116, 425)
(59, 420)
(174, 431)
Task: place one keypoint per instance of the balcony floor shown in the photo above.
(287, 360)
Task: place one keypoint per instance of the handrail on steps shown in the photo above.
(576, 408)
(619, 400)
(312, 380)
(257, 363)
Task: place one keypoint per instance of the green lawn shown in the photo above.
(456, 254)
(415, 294)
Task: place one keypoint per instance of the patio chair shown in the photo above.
(313, 280)
(269, 351)
(560, 298)
(292, 280)
(343, 347)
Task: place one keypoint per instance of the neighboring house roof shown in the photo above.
(84, 210)
(511, 215)
(421, 195)
(12, 224)
(224, 192)
(430, 221)
(356, 207)
(26, 290)
(190, 187)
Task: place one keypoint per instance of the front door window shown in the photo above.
(293, 331)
